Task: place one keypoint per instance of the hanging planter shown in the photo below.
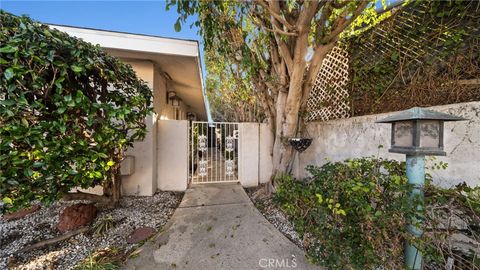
(300, 144)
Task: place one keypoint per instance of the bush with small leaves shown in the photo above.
(351, 214)
(68, 112)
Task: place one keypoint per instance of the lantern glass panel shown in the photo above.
(403, 134)
(175, 102)
(430, 134)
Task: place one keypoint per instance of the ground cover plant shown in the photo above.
(352, 215)
(68, 112)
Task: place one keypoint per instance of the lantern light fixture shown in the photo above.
(418, 131)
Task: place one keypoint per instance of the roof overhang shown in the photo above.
(179, 58)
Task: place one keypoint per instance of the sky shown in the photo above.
(139, 17)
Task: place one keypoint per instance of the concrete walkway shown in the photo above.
(218, 227)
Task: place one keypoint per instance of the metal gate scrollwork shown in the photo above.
(213, 152)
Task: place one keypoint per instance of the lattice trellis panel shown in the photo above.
(329, 98)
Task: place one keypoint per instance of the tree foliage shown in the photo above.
(278, 46)
(68, 111)
(231, 99)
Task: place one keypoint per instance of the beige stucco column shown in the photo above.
(248, 154)
(172, 155)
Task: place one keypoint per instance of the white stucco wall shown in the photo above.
(265, 154)
(141, 182)
(248, 154)
(337, 140)
(172, 152)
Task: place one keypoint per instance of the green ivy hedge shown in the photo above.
(351, 214)
(68, 112)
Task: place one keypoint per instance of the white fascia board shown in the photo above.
(132, 42)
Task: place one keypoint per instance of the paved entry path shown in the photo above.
(218, 227)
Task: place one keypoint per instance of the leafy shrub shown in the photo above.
(68, 112)
(351, 214)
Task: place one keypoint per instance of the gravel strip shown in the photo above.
(274, 214)
(132, 213)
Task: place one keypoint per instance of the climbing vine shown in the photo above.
(425, 54)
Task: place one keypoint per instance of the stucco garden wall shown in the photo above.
(248, 154)
(337, 140)
(265, 152)
(172, 155)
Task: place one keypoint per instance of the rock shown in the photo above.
(76, 216)
(140, 234)
(21, 213)
(464, 244)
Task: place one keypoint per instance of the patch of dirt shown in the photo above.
(132, 213)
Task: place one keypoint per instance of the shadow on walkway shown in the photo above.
(217, 227)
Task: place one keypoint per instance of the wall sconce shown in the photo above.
(417, 132)
(191, 116)
(173, 98)
(176, 101)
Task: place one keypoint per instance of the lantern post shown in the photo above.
(417, 133)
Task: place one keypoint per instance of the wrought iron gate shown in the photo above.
(213, 152)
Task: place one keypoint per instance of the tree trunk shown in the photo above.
(111, 192)
(113, 188)
(282, 151)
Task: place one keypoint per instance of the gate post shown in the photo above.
(172, 150)
(248, 154)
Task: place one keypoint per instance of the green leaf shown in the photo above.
(8, 49)
(47, 33)
(38, 164)
(76, 69)
(8, 73)
(61, 110)
(28, 172)
(7, 200)
(110, 163)
(24, 122)
(178, 26)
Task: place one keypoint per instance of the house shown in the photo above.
(172, 69)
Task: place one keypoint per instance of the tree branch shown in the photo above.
(342, 22)
(276, 30)
(258, 21)
(283, 48)
(276, 14)
(307, 13)
(54, 240)
(329, 42)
